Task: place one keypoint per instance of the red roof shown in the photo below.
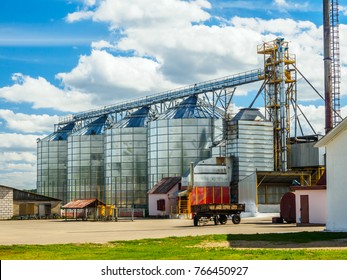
(82, 203)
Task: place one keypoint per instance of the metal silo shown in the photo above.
(52, 163)
(249, 141)
(181, 135)
(126, 161)
(86, 161)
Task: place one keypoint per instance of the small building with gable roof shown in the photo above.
(162, 198)
(22, 204)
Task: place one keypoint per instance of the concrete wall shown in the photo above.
(337, 183)
(317, 206)
(6, 203)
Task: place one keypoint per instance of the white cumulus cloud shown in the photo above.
(102, 44)
(17, 142)
(291, 5)
(18, 168)
(19, 179)
(113, 78)
(26, 157)
(42, 94)
(78, 16)
(171, 42)
(28, 123)
(120, 13)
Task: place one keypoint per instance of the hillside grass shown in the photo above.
(186, 248)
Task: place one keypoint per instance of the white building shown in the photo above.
(162, 198)
(310, 203)
(335, 143)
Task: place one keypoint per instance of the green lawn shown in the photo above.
(211, 247)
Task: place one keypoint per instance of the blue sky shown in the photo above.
(64, 56)
(38, 41)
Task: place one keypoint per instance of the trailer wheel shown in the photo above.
(223, 219)
(215, 219)
(196, 221)
(236, 219)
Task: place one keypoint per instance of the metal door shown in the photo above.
(304, 209)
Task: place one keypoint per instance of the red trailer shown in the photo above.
(210, 195)
(213, 203)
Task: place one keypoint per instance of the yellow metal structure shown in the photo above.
(272, 185)
(110, 210)
(101, 210)
(183, 203)
(190, 188)
(280, 77)
(316, 173)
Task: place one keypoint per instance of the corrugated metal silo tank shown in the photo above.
(52, 161)
(126, 161)
(86, 161)
(288, 207)
(181, 135)
(303, 153)
(249, 141)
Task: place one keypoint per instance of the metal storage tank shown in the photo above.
(288, 207)
(86, 161)
(249, 141)
(126, 161)
(52, 163)
(181, 135)
(304, 154)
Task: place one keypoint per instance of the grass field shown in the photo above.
(284, 246)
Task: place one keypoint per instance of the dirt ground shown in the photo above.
(240, 244)
(71, 231)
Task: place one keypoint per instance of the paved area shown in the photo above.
(61, 231)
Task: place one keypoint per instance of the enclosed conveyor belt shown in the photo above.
(199, 88)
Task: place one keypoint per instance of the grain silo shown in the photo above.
(249, 142)
(126, 161)
(181, 135)
(52, 163)
(86, 161)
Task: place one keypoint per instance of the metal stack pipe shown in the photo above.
(327, 67)
(283, 117)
